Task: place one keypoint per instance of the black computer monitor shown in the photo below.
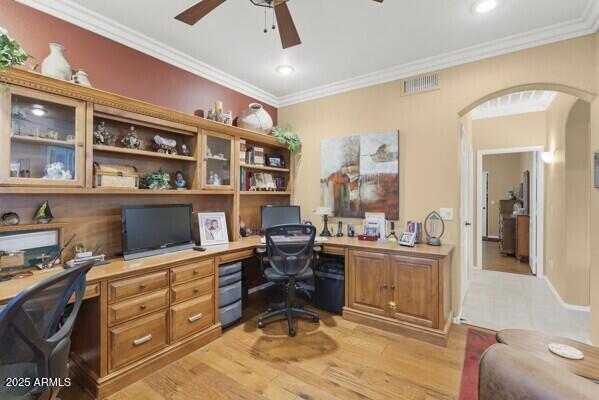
(280, 215)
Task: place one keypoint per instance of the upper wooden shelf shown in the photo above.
(39, 140)
(109, 191)
(263, 167)
(31, 227)
(263, 193)
(145, 153)
(34, 80)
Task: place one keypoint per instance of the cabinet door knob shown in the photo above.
(384, 286)
(142, 286)
(80, 144)
(393, 287)
(142, 306)
(195, 271)
(392, 305)
(196, 290)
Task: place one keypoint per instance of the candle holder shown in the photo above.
(325, 212)
(434, 227)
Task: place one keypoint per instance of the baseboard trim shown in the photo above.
(568, 306)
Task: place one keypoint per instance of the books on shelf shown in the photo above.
(242, 150)
(254, 156)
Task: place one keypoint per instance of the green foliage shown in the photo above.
(286, 135)
(11, 52)
(158, 180)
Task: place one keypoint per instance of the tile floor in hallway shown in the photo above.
(498, 300)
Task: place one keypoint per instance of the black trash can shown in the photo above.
(329, 285)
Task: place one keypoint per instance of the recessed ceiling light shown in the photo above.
(285, 69)
(485, 6)
(38, 110)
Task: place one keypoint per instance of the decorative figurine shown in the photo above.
(164, 145)
(180, 182)
(214, 179)
(102, 136)
(185, 150)
(52, 135)
(211, 115)
(158, 180)
(57, 172)
(351, 230)
(131, 141)
(10, 218)
(43, 215)
(228, 118)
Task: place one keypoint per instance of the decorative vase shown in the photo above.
(255, 118)
(55, 65)
(81, 78)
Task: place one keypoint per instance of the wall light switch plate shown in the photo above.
(446, 214)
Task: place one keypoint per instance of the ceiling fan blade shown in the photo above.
(379, 1)
(287, 29)
(195, 13)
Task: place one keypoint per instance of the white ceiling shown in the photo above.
(515, 103)
(346, 43)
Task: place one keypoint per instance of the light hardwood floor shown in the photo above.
(493, 260)
(336, 359)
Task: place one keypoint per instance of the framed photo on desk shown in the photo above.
(213, 228)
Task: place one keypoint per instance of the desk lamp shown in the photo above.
(325, 212)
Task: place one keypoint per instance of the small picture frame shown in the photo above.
(407, 239)
(273, 160)
(213, 228)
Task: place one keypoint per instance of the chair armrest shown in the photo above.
(260, 252)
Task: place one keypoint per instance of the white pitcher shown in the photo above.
(55, 65)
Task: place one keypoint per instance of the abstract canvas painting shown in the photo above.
(360, 174)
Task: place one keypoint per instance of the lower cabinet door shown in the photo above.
(368, 286)
(136, 339)
(192, 316)
(415, 290)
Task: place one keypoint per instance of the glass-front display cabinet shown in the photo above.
(43, 139)
(217, 164)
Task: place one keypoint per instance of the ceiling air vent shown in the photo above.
(421, 84)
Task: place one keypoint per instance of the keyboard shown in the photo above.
(293, 239)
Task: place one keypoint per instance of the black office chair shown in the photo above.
(290, 252)
(35, 330)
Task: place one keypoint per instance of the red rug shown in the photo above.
(476, 343)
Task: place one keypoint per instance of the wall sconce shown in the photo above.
(547, 157)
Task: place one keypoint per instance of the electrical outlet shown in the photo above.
(446, 214)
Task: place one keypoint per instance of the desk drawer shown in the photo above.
(130, 287)
(133, 340)
(137, 306)
(193, 271)
(192, 289)
(192, 316)
(239, 255)
(90, 291)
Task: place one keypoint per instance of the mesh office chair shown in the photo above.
(35, 330)
(290, 251)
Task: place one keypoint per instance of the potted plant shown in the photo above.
(11, 52)
(285, 135)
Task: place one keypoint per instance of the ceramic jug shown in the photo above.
(255, 118)
(55, 65)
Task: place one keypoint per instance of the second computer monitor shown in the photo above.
(280, 215)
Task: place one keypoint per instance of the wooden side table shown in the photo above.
(535, 344)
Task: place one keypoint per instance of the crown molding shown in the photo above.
(75, 14)
(587, 24)
(71, 12)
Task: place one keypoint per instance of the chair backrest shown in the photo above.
(35, 330)
(290, 248)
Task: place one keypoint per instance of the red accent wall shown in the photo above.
(117, 68)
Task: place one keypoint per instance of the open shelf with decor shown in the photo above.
(264, 168)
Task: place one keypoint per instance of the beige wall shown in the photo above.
(504, 174)
(429, 125)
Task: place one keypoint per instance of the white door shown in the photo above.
(466, 192)
(485, 205)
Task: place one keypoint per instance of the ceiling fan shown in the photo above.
(287, 29)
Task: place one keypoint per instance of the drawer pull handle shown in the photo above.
(143, 286)
(196, 317)
(196, 271)
(196, 290)
(142, 340)
(142, 306)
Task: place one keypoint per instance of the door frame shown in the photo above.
(486, 203)
(466, 212)
(540, 196)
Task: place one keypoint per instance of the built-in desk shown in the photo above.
(142, 314)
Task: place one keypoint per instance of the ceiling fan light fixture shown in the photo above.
(285, 70)
(485, 6)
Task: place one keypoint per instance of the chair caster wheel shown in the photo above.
(292, 332)
(316, 319)
(260, 324)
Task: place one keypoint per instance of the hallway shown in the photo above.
(493, 260)
(497, 300)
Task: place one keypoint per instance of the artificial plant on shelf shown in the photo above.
(11, 52)
(158, 180)
(285, 135)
